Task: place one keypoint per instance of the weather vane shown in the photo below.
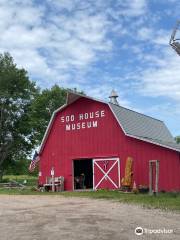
(174, 41)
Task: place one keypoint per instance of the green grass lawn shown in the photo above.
(31, 180)
(165, 201)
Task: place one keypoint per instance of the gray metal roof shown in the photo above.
(144, 127)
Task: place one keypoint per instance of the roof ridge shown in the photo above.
(138, 112)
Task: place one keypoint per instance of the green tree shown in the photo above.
(19, 167)
(42, 109)
(177, 139)
(16, 95)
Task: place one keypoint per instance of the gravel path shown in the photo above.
(60, 218)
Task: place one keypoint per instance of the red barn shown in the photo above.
(90, 139)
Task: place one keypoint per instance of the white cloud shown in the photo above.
(57, 44)
(135, 7)
(145, 33)
(163, 79)
(155, 36)
(61, 42)
(18, 36)
(64, 37)
(160, 72)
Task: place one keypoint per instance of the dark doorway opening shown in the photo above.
(83, 174)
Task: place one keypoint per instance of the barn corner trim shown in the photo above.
(74, 96)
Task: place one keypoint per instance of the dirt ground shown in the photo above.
(60, 218)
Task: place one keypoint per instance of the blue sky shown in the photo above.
(97, 46)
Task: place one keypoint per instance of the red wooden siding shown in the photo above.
(105, 140)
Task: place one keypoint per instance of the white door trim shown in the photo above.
(116, 161)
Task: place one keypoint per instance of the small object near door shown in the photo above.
(106, 173)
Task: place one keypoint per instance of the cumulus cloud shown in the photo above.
(161, 76)
(40, 40)
(66, 36)
(134, 8)
(162, 82)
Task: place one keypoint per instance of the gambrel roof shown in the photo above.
(133, 124)
(143, 127)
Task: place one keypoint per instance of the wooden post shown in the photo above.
(52, 175)
(157, 177)
(150, 177)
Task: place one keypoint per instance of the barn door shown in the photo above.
(106, 173)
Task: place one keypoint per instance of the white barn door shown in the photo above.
(106, 173)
